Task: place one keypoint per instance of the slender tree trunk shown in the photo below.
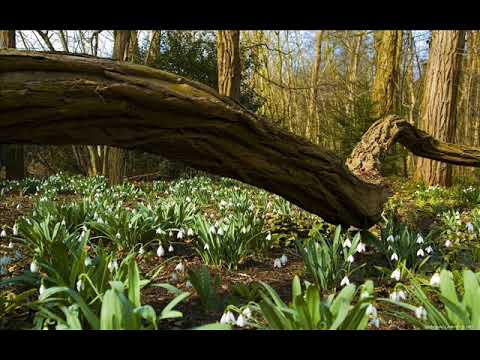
(229, 66)
(153, 47)
(12, 156)
(440, 100)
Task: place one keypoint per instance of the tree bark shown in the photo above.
(64, 99)
(440, 100)
(229, 66)
(153, 47)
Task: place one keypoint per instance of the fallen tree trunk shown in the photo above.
(52, 98)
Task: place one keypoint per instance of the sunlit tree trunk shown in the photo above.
(229, 66)
(153, 47)
(440, 101)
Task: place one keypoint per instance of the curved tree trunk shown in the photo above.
(63, 99)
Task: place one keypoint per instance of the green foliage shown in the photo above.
(308, 311)
(206, 287)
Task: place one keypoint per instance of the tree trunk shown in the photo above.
(80, 100)
(229, 67)
(440, 100)
(13, 158)
(153, 47)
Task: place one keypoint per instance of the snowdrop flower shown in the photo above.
(10, 245)
(361, 247)
(420, 253)
(88, 261)
(174, 278)
(371, 310)
(394, 257)
(347, 243)
(159, 231)
(394, 296)
(390, 238)
(435, 280)
(160, 251)
(277, 263)
(345, 281)
(34, 267)
(80, 285)
(212, 229)
(180, 267)
(206, 247)
(228, 318)
(3, 233)
(42, 289)
(170, 248)
(15, 230)
(188, 284)
(247, 313)
(396, 275)
(220, 231)
(268, 237)
(448, 243)
(188, 199)
(429, 249)
(421, 313)
(401, 295)
(241, 321)
(118, 236)
(284, 260)
(113, 265)
(419, 239)
(141, 251)
(190, 232)
(375, 322)
(350, 259)
(244, 230)
(180, 234)
(19, 206)
(170, 233)
(470, 227)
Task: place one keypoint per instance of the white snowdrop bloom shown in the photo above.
(113, 265)
(396, 275)
(170, 248)
(241, 321)
(212, 229)
(220, 231)
(141, 251)
(88, 261)
(15, 230)
(420, 253)
(470, 227)
(118, 236)
(174, 278)
(361, 247)
(19, 206)
(401, 295)
(159, 231)
(350, 259)
(375, 322)
(3, 233)
(190, 232)
(397, 237)
(180, 234)
(80, 285)
(10, 245)
(268, 237)
(188, 199)
(420, 239)
(394, 257)
(244, 230)
(435, 280)
(394, 296)
(345, 281)
(429, 249)
(160, 251)
(180, 267)
(390, 238)
(347, 243)
(371, 310)
(188, 284)
(284, 260)
(421, 313)
(228, 318)
(42, 289)
(34, 267)
(247, 313)
(170, 233)
(277, 263)
(206, 247)
(448, 243)
(63, 222)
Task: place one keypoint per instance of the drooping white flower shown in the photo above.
(141, 251)
(19, 206)
(159, 231)
(190, 232)
(429, 249)
(277, 263)
(88, 261)
(247, 313)
(15, 230)
(401, 295)
(241, 321)
(244, 230)
(160, 251)
(268, 237)
(420, 239)
(448, 243)
(420, 253)
(375, 322)
(80, 285)
(421, 313)
(390, 238)
(228, 318)
(206, 247)
(220, 231)
(42, 289)
(188, 284)
(118, 236)
(34, 267)
(3, 234)
(347, 243)
(10, 245)
(371, 310)
(170, 248)
(470, 227)
(361, 247)
(180, 234)
(396, 275)
(180, 267)
(284, 260)
(394, 257)
(435, 280)
(350, 259)
(188, 199)
(113, 265)
(170, 233)
(345, 281)
(212, 229)
(394, 296)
